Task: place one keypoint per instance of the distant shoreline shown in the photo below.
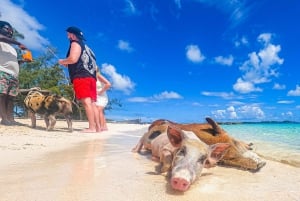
(139, 121)
(261, 122)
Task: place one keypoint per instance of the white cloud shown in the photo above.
(265, 38)
(157, 97)
(295, 92)
(226, 61)
(197, 104)
(167, 95)
(224, 95)
(124, 45)
(236, 103)
(287, 114)
(232, 112)
(278, 86)
(236, 9)
(285, 102)
(219, 114)
(193, 53)
(178, 3)
(138, 99)
(269, 56)
(251, 111)
(130, 8)
(25, 24)
(261, 67)
(119, 82)
(242, 41)
(245, 87)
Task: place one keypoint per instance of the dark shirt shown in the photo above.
(86, 64)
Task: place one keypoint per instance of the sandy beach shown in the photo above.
(37, 165)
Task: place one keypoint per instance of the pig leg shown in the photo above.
(69, 122)
(139, 145)
(33, 119)
(46, 118)
(248, 161)
(47, 121)
(155, 158)
(166, 159)
(145, 142)
(52, 122)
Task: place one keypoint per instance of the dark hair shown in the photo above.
(6, 29)
(76, 31)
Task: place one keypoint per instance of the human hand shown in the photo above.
(61, 62)
(23, 47)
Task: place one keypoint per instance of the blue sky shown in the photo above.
(183, 60)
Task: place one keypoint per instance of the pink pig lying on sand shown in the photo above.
(183, 153)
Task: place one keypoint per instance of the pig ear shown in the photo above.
(217, 129)
(216, 153)
(175, 136)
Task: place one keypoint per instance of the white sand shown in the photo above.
(37, 165)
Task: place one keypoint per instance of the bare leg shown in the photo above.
(102, 118)
(89, 110)
(97, 118)
(3, 110)
(104, 123)
(10, 108)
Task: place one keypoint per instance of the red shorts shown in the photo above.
(85, 88)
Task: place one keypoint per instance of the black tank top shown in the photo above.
(86, 64)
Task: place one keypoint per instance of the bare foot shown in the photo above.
(87, 130)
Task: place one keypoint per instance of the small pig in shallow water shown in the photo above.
(183, 153)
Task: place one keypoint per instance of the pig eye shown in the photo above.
(202, 159)
(182, 151)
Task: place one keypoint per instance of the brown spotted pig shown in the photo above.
(48, 106)
(238, 155)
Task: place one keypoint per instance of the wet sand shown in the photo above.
(37, 165)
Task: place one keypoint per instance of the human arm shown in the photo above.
(106, 83)
(75, 52)
(11, 41)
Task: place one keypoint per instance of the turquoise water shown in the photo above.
(275, 141)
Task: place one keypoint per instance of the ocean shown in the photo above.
(274, 141)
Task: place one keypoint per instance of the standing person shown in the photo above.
(102, 99)
(81, 64)
(9, 73)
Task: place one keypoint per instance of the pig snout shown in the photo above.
(183, 177)
(180, 184)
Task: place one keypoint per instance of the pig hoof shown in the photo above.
(165, 169)
(262, 164)
(258, 167)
